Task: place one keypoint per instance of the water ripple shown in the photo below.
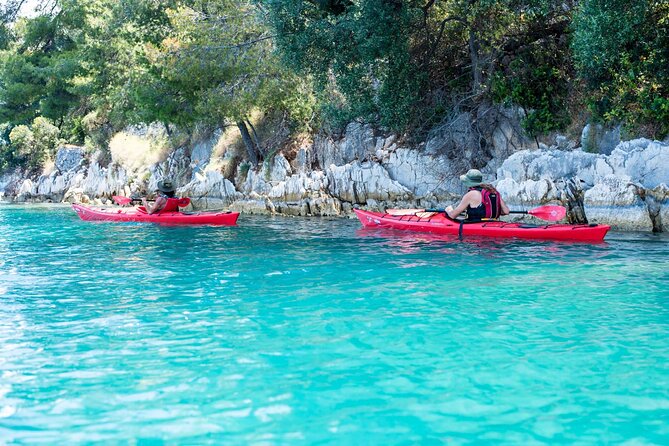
(283, 331)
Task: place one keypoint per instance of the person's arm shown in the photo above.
(466, 200)
(157, 205)
(505, 208)
(147, 206)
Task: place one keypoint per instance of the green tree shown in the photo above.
(217, 66)
(36, 69)
(118, 35)
(622, 52)
(406, 63)
(357, 52)
(32, 146)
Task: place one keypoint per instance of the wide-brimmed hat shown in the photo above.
(472, 178)
(166, 186)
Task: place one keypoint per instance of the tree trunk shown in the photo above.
(572, 196)
(256, 140)
(474, 57)
(251, 148)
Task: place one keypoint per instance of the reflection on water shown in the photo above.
(284, 331)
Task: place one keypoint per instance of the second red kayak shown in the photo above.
(439, 224)
(90, 213)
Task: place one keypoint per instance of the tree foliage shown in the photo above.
(92, 67)
(357, 52)
(35, 70)
(35, 144)
(621, 49)
(216, 66)
(403, 63)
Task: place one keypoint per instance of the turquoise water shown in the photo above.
(313, 331)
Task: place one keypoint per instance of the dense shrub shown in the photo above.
(621, 48)
(32, 146)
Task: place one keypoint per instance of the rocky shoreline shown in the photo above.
(624, 184)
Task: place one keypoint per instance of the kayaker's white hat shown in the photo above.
(166, 186)
(472, 178)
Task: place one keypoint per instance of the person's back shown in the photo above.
(486, 203)
(165, 200)
(482, 201)
(171, 204)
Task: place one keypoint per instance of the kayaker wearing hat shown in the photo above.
(481, 201)
(165, 201)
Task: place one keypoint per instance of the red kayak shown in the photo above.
(138, 214)
(440, 224)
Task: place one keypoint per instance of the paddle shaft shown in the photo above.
(444, 210)
(549, 213)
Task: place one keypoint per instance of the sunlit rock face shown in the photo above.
(627, 189)
(69, 158)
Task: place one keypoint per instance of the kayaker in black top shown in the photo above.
(482, 201)
(165, 199)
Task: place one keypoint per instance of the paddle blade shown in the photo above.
(121, 200)
(549, 213)
(426, 214)
(403, 211)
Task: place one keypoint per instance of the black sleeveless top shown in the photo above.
(477, 213)
(480, 212)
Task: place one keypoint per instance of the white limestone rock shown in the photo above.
(298, 187)
(629, 218)
(358, 143)
(527, 192)
(9, 183)
(325, 206)
(612, 190)
(647, 162)
(357, 182)
(424, 175)
(599, 139)
(76, 195)
(279, 168)
(564, 143)
(303, 160)
(212, 190)
(549, 164)
(256, 182)
(26, 190)
(615, 201)
(69, 158)
(202, 150)
(102, 181)
(257, 206)
(54, 186)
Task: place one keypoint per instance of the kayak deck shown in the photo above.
(440, 224)
(91, 213)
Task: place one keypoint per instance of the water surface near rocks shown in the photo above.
(314, 331)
